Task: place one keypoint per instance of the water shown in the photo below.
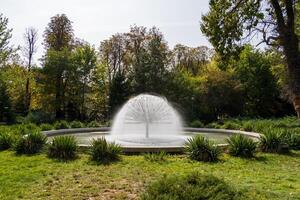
(147, 119)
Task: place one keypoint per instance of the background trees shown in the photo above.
(79, 82)
(229, 24)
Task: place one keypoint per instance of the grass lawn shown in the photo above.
(269, 176)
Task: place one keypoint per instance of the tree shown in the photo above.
(261, 93)
(29, 49)
(229, 23)
(5, 36)
(59, 33)
(191, 59)
(84, 60)
(5, 104)
(58, 42)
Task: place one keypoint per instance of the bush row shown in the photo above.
(61, 147)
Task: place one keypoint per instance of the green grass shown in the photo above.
(268, 176)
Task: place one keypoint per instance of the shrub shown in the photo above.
(104, 152)
(61, 125)
(31, 143)
(38, 117)
(6, 141)
(272, 141)
(76, 124)
(213, 125)
(231, 125)
(201, 149)
(292, 138)
(46, 127)
(94, 124)
(156, 157)
(196, 124)
(240, 145)
(247, 126)
(193, 186)
(63, 148)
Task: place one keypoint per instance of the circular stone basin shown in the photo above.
(174, 143)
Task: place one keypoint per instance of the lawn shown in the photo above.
(268, 176)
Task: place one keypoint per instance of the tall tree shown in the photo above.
(58, 37)
(5, 35)
(29, 50)
(229, 23)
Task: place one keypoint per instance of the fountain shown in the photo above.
(147, 123)
(147, 119)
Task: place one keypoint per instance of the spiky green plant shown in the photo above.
(6, 140)
(156, 157)
(272, 141)
(241, 145)
(46, 127)
(63, 148)
(104, 152)
(76, 124)
(61, 125)
(200, 148)
(31, 143)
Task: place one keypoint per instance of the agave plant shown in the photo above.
(200, 148)
(31, 143)
(104, 152)
(272, 140)
(63, 148)
(6, 141)
(240, 145)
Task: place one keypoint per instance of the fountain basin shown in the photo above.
(168, 143)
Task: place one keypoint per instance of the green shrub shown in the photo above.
(272, 141)
(31, 143)
(292, 138)
(156, 157)
(63, 148)
(242, 146)
(193, 186)
(213, 125)
(104, 152)
(94, 124)
(76, 124)
(38, 117)
(196, 124)
(201, 149)
(247, 126)
(231, 125)
(61, 125)
(6, 141)
(46, 127)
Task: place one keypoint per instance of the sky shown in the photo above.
(96, 20)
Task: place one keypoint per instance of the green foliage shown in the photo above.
(226, 22)
(63, 148)
(76, 124)
(31, 143)
(193, 186)
(38, 117)
(94, 124)
(6, 113)
(5, 35)
(104, 152)
(196, 124)
(241, 145)
(61, 125)
(272, 141)
(46, 127)
(6, 140)
(247, 126)
(230, 125)
(156, 157)
(200, 148)
(261, 93)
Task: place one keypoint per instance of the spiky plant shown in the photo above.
(241, 145)
(63, 148)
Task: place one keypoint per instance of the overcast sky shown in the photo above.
(96, 20)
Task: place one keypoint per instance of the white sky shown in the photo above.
(96, 20)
